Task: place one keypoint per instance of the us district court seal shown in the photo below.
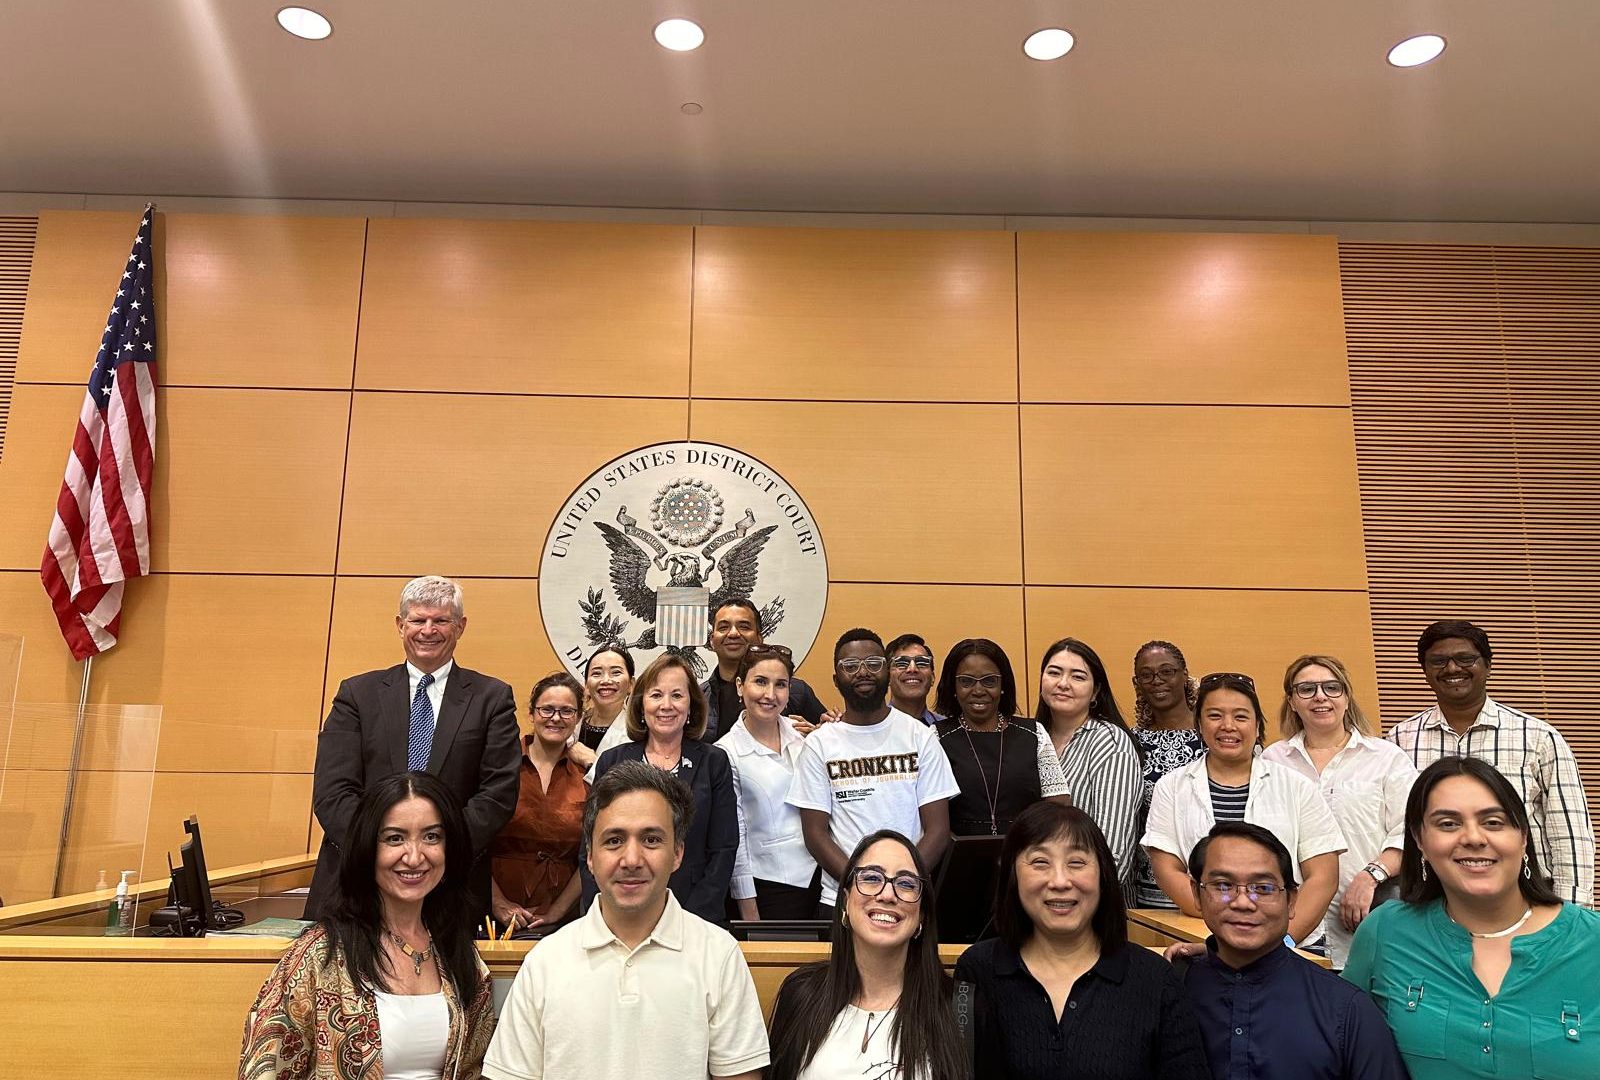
(655, 541)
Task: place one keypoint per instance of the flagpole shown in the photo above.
(72, 776)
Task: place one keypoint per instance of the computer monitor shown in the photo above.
(780, 930)
(193, 853)
(963, 888)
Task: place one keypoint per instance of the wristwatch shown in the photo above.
(1378, 873)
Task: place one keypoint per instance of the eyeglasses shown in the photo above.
(550, 712)
(1331, 688)
(1164, 673)
(1224, 677)
(776, 650)
(872, 665)
(1466, 661)
(988, 682)
(905, 663)
(870, 883)
(1225, 892)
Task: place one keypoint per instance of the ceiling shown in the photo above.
(1166, 108)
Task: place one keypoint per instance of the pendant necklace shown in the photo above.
(417, 958)
(1000, 728)
(867, 1038)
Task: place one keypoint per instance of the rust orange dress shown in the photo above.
(537, 852)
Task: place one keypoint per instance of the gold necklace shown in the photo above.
(1000, 728)
(417, 958)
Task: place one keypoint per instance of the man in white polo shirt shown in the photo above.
(638, 987)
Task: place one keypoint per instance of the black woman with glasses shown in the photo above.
(875, 768)
(1004, 763)
(1163, 728)
(881, 1007)
(1061, 991)
(534, 860)
(1233, 783)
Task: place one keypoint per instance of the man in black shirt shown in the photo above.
(735, 626)
(1265, 1011)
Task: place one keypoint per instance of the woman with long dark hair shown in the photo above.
(388, 983)
(607, 683)
(881, 1007)
(1481, 970)
(1002, 762)
(1061, 991)
(1099, 759)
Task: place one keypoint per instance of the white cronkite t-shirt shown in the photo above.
(870, 777)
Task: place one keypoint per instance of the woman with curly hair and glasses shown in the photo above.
(1232, 783)
(1163, 730)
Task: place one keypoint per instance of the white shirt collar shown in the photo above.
(746, 743)
(442, 673)
(593, 933)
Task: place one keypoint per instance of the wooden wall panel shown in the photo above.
(841, 314)
(30, 820)
(1219, 496)
(942, 614)
(526, 307)
(476, 494)
(873, 475)
(242, 300)
(1190, 318)
(1256, 631)
(43, 419)
(504, 637)
(47, 672)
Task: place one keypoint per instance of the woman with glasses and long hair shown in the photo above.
(1164, 731)
(534, 860)
(773, 866)
(1363, 777)
(387, 982)
(1232, 783)
(881, 1006)
(1099, 759)
(1481, 969)
(1061, 991)
(607, 682)
(981, 734)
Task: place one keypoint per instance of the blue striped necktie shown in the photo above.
(421, 740)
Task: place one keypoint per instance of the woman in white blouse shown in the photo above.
(773, 865)
(1230, 782)
(1365, 780)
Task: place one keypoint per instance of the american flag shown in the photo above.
(101, 533)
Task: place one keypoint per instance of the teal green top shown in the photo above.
(1544, 1022)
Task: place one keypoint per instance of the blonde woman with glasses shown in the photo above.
(1363, 777)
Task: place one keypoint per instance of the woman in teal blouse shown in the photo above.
(1482, 970)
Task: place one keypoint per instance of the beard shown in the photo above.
(864, 702)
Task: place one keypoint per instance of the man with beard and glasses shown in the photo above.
(877, 768)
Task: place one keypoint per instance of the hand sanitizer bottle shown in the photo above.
(119, 921)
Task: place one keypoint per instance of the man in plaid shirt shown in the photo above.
(1455, 658)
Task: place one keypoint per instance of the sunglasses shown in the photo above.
(1223, 678)
(770, 650)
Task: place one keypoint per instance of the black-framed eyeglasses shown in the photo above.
(1331, 688)
(871, 664)
(870, 883)
(905, 663)
(1223, 678)
(1164, 673)
(550, 712)
(1225, 892)
(1466, 661)
(764, 649)
(988, 682)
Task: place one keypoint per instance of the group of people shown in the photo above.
(644, 808)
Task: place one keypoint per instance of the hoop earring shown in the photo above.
(844, 918)
(1424, 869)
(918, 933)
(1527, 871)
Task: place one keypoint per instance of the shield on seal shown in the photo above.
(681, 615)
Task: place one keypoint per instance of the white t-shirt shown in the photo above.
(840, 1057)
(414, 1031)
(870, 777)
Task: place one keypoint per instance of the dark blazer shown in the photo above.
(477, 753)
(701, 882)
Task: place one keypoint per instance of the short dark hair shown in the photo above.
(1044, 821)
(1243, 684)
(612, 647)
(1457, 628)
(740, 602)
(554, 681)
(944, 698)
(1416, 889)
(905, 641)
(859, 633)
(629, 776)
(1244, 830)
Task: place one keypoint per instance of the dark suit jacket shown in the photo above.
(477, 753)
(701, 882)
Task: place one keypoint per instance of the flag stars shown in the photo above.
(128, 347)
(148, 347)
(134, 305)
(127, 274)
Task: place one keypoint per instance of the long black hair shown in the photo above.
(923, 1030)
(1103, 706)
(354, 922)
(1040, 823)
(945, 696)
(1417, 889)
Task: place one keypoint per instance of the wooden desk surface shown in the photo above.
(1173, 924)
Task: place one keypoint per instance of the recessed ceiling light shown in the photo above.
(679, 35)
(1049, 44)
(691, 108)
(1416, 50)
(304, 23)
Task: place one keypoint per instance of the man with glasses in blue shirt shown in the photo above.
(876, 768)
(911, 677)
(1264, 1010)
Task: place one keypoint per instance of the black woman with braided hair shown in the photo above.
(1163, 710)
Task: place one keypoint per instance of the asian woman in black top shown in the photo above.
(1061, 991)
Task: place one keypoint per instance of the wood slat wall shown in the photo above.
(1475, 382)
(17, 235)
